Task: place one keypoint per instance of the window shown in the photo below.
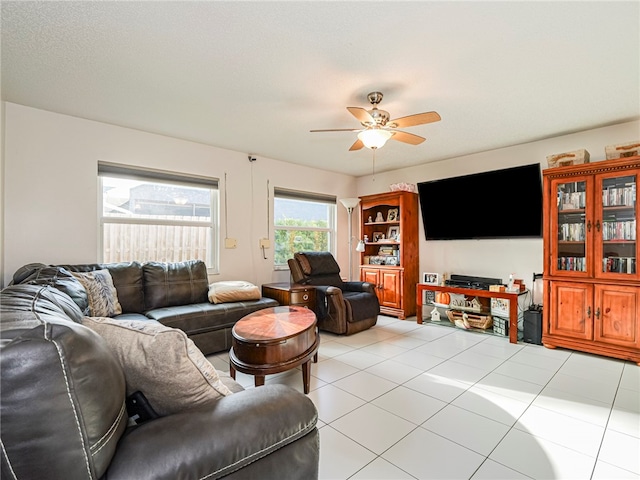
(302, 222)
(150, 215)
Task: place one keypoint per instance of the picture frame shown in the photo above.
(431, 278)
(393, 233)
(378, 236)
(392, 260)
(392, 215)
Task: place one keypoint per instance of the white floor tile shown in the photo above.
(330, 349)
(359, 359)
(331, 370)
(380, 469)
(569, 432)
(621, 450)
(365, 385)
(541, 459)
(528, 373)
(394, 371)
(531, 357)
(499, 408)
(426, 455)
(491, 470)
(625, 415)
(409, 404)
(340, 457)
(373, 428)
(508, 386)
(604, 471)
(502, 350)
(476, 359)
(333, 403)
(468, 429)
(601, 391)
(460, 372)
(436, 386)
(406, 342)
(576, 406)
(384, 349)
(631, 377)
(417, 359)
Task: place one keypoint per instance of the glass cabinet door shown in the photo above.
(571, 227)
(616, 226)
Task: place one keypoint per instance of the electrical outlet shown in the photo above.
(230, 243)
(265, 243)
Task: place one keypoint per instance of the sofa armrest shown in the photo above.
(359, 287)
(210, 443)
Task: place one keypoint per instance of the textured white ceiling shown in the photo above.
(257, 76)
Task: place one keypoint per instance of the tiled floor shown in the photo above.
(403, 401)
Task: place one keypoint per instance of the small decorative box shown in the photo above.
(622, 150)
(568, 158)
(500, 326)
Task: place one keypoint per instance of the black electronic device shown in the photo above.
(469, 281)
(503, 203)
(533, 325)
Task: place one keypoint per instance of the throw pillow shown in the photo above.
(103, 297)
(233, 291)
(161, 362)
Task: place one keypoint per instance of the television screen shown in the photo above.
(497, 204)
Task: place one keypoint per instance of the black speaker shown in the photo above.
(533, 326)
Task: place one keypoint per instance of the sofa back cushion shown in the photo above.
(180, 283)
(127, 278)
(39, 300)
(62, 396)
(61, 279)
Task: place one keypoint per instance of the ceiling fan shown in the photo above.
(377, 128)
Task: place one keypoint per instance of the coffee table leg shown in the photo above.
(306, 375)
(232, 371)
(259, 380)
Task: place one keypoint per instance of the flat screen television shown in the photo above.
(497, 204)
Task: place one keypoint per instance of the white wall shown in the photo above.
(51, 190)
(494, 258)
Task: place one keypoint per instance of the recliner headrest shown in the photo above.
(317, 263)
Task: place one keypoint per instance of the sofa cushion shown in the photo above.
(180, 283)
(103, 297)
(317, 263)
(127, 278)
(41, 300)
(233, 291)
(161, 362)
(63, 280)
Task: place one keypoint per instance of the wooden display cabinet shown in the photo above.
(592, 284)
(389, 228)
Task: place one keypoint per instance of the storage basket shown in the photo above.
(476, 321)
(569, 158)
(622, 150)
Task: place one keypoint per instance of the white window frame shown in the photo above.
(107, 169)
(332, 200)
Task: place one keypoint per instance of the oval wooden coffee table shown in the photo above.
(274, 340)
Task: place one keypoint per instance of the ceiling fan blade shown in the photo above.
(357, 145)
(408, 138)
(417, 119)
(361, 114)
(338, 130)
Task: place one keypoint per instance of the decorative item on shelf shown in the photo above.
(431, 279)
(443, 298)
(568, 158)
(462, 303)
(622, 150)
(370, 219)
(391, 260)
(392, 216)
(474, 321)
(379, 217)
(393, 233)
(435, 315)
(403, 187)
(378, 236)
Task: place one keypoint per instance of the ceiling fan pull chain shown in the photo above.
(374, 165)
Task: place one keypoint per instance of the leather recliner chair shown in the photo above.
(341, 307)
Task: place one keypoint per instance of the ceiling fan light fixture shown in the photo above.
(374, 138)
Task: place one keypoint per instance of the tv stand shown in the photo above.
(473, 292)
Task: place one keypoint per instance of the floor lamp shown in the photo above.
(350, 204)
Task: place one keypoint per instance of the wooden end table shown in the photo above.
(274, 340)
